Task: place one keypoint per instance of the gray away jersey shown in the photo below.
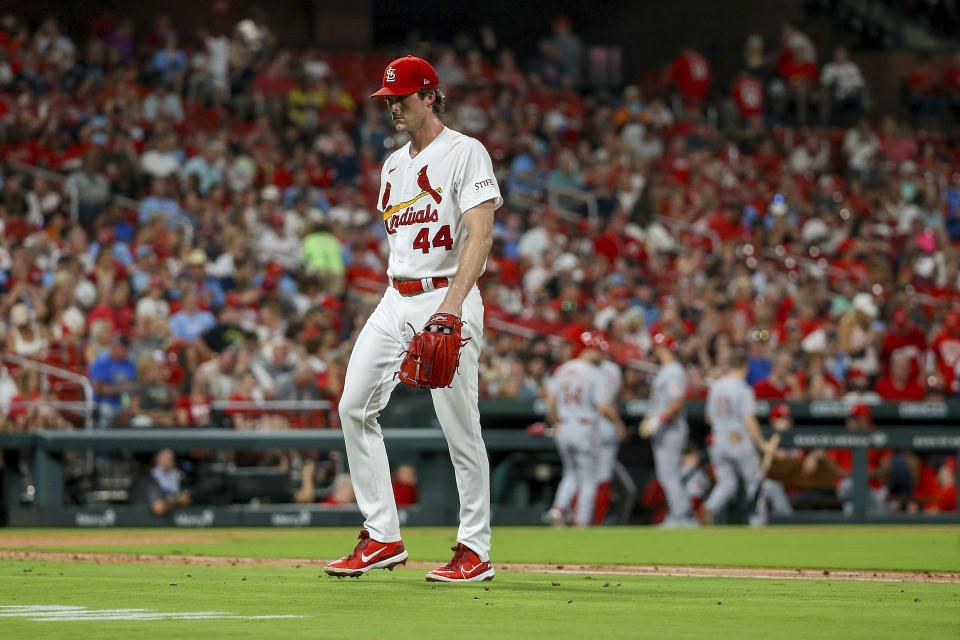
(669, 384)
(578, 387)
(729, 402)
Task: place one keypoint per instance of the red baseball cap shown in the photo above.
(591, 340)
(854, 373)
(664, 340)
(861, 411)
(407, 75)
(780, 411)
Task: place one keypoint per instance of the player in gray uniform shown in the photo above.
(577, 396)
(736, 433)
(666, 424)
(611, 434)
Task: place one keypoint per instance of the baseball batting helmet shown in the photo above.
(590, 340)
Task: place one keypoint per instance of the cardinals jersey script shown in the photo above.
(422, 201)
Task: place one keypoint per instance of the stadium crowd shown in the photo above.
(224, 243)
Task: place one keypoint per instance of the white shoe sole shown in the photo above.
(556, 518)
(387, 563)
(480, 577)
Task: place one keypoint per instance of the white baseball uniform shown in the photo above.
(670, 440)
(732, 452)
(609, 440)
(578, 387)
(609, 469)
(422, 202)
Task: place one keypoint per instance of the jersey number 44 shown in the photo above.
(441, 239)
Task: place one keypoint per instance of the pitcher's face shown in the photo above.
(409, 112)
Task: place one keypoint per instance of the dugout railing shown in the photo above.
(920, 427)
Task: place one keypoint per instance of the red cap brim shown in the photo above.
(386, 92)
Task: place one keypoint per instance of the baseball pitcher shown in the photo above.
(437, 199)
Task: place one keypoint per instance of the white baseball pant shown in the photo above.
(578, 448)
(370, 379)
(609, 445)
(668, 444)
(732, 462)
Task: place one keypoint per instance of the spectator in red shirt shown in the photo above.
(946, 351)
(899, 384)
(690, 76)
(117, 309)
(194, 409)
(878, 464)
(797, 63)
(781, 384)
(945, 496)
(897, 143)
(748, 96)
(246, 418)
(904, 337)
(34, 418)
(405, 485)
(816, 381)
(936, 488)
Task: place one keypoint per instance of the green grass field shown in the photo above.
(401, 604)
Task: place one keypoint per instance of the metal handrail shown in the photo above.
(707, 232)
(554, 194)
(178, 219)
(68, 189)
(931, 301)
(267, 405)
(371, 284)
(836, 272)
(73, 196)
(275, 252)
(43, 367)
(60, 405)
(525, 332)
(48, 174)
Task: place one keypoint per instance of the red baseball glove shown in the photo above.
(434, 353)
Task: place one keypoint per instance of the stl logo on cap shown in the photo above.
(391, 75)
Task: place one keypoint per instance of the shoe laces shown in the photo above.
(460, 553)
(364, 541)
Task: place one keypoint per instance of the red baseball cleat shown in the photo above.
(368, 554)
(466, 566)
